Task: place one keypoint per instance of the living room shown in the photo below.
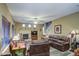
(39, 29)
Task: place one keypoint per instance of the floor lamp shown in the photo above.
(73, 38)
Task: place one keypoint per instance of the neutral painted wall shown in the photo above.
(0, 30)
(69, 23)
(20, 29)
(5, 12)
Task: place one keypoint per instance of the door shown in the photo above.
(34, 35)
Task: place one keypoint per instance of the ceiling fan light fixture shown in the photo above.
(29, 25)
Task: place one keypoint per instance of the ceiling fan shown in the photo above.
(35, 20)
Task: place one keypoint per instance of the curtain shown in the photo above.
(6, 32)
(3, 28)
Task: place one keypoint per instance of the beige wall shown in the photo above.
(69, 23)
(20, 29)
(0, 30)
(5, 12)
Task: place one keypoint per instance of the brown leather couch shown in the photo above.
(59, 42)
(39, 48)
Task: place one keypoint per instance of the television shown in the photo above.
(25, 36)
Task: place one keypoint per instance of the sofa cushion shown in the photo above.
(58, 41)
(60, 37)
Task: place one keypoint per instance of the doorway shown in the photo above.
(34, 35)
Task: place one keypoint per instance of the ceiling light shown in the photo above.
(23, 25)
(34, 26)
(29, 26)
(35, 22)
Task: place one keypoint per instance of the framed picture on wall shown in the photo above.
(57, 29)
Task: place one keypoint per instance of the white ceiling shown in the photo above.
(44, 12)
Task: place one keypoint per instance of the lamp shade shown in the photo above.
(73, 32)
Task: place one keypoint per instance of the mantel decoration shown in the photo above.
(57, 29)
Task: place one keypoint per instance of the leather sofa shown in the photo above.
(59, 42)
(39, 48)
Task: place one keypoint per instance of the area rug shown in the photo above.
(55, 52)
